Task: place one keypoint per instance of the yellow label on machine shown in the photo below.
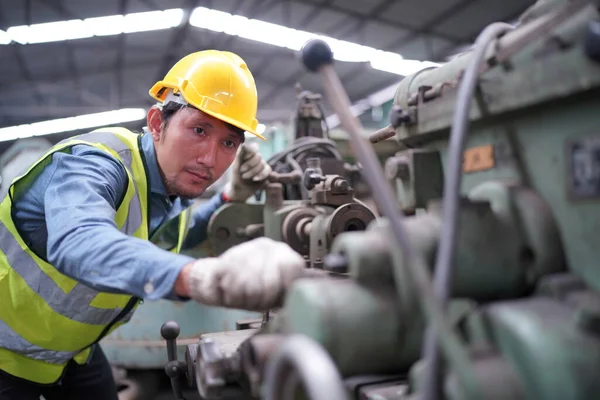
(478, 158)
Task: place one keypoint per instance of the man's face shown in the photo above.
(193, 150)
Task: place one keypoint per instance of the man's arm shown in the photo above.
(83, 240)
(81, 196)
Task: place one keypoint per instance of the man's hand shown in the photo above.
(251, 276)
(250, 172)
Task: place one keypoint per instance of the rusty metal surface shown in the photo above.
(382, 134)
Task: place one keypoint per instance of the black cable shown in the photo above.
(451, 201)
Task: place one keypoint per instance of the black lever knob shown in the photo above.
(174, 368)
(315, 53)
(170, 331)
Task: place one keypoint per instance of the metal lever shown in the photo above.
(285, 177)
(170, 331)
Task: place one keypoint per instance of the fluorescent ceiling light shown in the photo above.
(101, 26)
(4, 37)
(72, 123)
(293, 39)
(214, 20)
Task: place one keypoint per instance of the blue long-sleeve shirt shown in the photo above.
(66, 216)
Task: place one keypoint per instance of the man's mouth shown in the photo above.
(199, 175)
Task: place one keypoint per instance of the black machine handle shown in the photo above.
(174, 369)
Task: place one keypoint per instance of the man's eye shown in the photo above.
(229, 143)
(199, 131)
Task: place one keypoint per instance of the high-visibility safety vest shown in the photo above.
(47, 318)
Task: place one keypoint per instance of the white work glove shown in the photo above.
(252, 276)
(250, 172)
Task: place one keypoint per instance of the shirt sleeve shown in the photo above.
(83, 240)
(200, 219)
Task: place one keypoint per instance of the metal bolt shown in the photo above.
(222, 233)
(399, 116)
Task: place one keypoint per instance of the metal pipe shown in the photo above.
(317, 372)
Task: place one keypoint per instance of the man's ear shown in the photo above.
(154, 121)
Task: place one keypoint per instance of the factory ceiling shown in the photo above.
(91, 66)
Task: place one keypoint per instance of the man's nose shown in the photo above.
(207, 155)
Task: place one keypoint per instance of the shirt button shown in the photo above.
(148, 287)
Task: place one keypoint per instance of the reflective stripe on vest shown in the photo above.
(75, 305)
(134, 215)
(46, 317)
(32, 351)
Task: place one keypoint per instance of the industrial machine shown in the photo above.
(309, 199)
(481, 281)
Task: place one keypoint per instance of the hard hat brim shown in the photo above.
(159, 93)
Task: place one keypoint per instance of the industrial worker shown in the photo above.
(76, 231)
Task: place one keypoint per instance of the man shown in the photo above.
(76, 230)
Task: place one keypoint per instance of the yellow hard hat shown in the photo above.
(217, 83)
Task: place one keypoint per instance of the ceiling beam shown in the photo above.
(379, 20)
(508, 18)
(356, 72)
(360, 24)
(69, 50)
(22, 62)
(426, 29)
(120, 61)
(373, 14)
(178, 37)
(58, 80)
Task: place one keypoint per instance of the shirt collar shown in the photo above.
(156, 182)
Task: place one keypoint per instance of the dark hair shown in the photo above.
(169, 109)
